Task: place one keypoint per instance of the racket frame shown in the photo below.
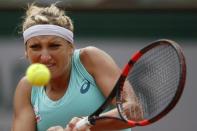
(180, 87)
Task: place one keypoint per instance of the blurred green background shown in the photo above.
(109, 18)
(119, 27)
(110, 23)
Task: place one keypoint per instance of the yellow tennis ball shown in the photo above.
(38, 74)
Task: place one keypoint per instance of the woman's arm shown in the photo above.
(23, 117)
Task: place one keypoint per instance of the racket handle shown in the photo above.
(83, 123)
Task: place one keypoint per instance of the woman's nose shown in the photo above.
(45, 57)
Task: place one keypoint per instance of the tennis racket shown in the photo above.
(157, 74)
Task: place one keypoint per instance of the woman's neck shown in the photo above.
(58, 86)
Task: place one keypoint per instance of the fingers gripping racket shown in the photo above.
(157, 75)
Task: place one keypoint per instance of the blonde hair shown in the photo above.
(46, 15)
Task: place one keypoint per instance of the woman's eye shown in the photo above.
(54, 46)
(34, 47)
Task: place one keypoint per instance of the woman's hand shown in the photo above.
(56, 128)
(71, 126)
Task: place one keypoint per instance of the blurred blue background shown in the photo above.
(119, 27)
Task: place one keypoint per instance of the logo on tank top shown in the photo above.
(85, 86)
(38, 118)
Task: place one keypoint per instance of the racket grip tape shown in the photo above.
(83, 123)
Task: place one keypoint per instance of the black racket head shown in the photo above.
(157, 74)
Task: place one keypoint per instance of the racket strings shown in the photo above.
(154, 78)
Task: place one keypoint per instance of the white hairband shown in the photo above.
(48, 29)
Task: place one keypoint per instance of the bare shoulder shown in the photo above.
(90, 52)
(24, 85)
(23, 90)
(93, 57)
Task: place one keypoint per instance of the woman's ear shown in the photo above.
(72, 48)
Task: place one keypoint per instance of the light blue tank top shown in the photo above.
(82, 98)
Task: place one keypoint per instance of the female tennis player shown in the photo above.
(81, 78)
